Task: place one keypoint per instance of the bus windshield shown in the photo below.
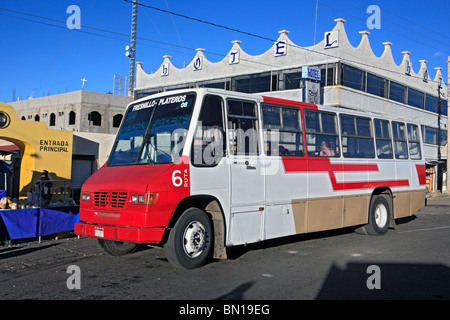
(153, 131)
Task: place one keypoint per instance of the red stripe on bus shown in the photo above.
(293, 165)
(421, 173)
(290, 103)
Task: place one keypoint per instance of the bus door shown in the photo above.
(285, 175)
(209, 171)
(246, 173)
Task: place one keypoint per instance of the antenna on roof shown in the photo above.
(131, 50)
(315, 23)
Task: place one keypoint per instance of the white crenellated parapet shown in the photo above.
(284, 54)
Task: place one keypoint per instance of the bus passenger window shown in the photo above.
(282, 131)
(414, 142)
(400, 146)
(243, 127)
(357, 141)
(208, 146)
(321, 134)
(383, 139)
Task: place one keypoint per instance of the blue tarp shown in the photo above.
(30, 223)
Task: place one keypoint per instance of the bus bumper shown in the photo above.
(126, 234)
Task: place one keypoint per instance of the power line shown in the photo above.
(269, 39)
(118, 34)
(397, 24)
(203, 21)
(184, 47)
(410, 21)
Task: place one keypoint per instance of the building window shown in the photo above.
(292, 80)
(327, 75)
(375, 85)
(253, 83)
(430, 135)
(72, 117)
(142, 94)
(415, 98)
(95, 118)
(52, 120)
(117, 119)
(444, 107)
(353, 77)
(37, 118)
(222, 84)
(397, 92)
(431, 103)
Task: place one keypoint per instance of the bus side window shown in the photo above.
(321, 134)
(414, 142)
(282, 131)
(357, 140)
(383, 139)
(208, 146)
(242, 127)
(399, 134)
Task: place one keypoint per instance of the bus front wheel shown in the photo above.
(190, 242)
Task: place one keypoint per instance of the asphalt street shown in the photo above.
(410, 262)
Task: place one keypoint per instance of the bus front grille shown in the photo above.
(110, 199)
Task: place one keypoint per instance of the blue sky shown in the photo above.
(41, 56)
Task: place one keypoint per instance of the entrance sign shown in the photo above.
(40, 148)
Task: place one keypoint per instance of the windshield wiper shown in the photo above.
(147, 145)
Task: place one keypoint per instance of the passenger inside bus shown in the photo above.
(326, 150)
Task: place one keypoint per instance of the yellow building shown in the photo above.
(40, 148)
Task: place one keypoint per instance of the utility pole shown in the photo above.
(448, 124)
(131, 50)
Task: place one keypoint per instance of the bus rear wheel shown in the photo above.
(117, 248)
(190, 242)
(379, 217)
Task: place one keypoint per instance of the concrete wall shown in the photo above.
(82, 103)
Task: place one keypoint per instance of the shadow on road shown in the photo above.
(237, 293)
(238, 251)
(10, 252)
(396, 282)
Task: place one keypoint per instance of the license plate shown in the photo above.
(99, 232)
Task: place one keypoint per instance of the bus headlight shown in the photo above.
(85, 197)
(147, 198)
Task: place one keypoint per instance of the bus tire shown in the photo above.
(117, 248)
(379, 217)
(190, 242)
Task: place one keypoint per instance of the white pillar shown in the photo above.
(448, 126)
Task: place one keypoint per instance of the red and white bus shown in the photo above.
(200, 170)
